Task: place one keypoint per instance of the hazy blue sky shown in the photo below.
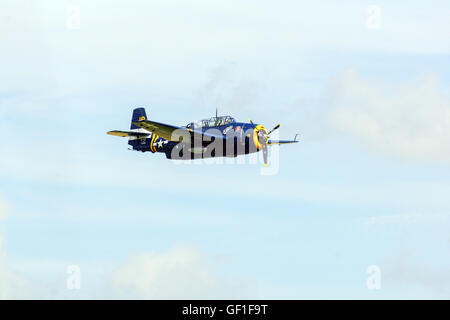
(366, 83)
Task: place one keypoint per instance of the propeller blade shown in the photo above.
(263, 138)
(264, 150)
(250, 120)
(276, 127)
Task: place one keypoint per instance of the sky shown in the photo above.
(362, 199)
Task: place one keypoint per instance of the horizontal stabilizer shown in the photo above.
(127, 133)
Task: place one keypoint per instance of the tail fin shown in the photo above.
(138, 115)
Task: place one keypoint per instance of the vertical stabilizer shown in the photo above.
(138, 115)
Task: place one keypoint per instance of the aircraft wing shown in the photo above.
(166, 131)
(163, 130)
(119, 133)
(273, 142)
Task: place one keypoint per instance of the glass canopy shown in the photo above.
(211, 122)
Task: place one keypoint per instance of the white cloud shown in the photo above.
(12, 285)
(408, 121)
(418, 264)
(180, 273)
(417, 259)
(411, 269)
(164, 45)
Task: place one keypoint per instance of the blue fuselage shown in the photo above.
(229, 140)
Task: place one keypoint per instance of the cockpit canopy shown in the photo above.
(211, 122)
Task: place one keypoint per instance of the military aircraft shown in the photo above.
(214, 137)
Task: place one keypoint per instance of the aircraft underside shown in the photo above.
(182, 151)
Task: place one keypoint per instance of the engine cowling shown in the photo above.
(260, 137)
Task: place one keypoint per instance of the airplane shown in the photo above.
(219, 136)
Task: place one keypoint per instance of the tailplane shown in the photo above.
(138, 138)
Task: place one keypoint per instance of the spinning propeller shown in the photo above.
(263, 138)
